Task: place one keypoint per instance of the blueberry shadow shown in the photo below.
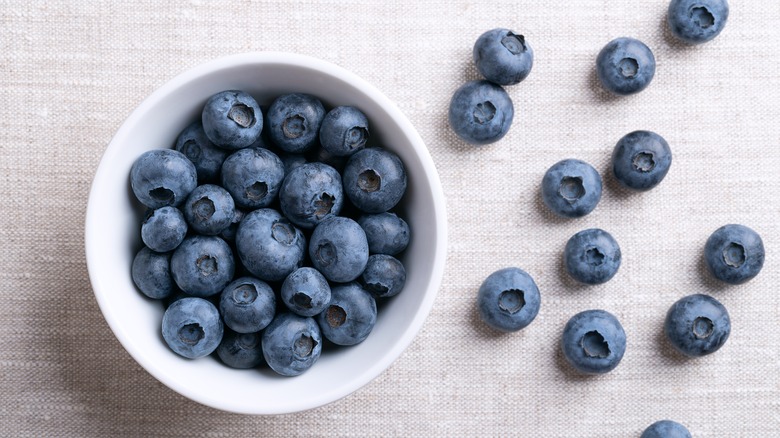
(674, 43)
(568, 283)
(482, 330)
(598, 91)
(613, 185)
(708, 280)
(543, 212)
(666, 350)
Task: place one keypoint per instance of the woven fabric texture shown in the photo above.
(71, 72)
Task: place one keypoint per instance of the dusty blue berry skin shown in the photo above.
(338, 249)
(641, 160)
(697, 21)
(508, 300)
(202, 265)
(384, 276)
(192, 328)
(625, 66)
(229, 233)
(310, 194)
(697, 325)
(291, 344)
(209, 209)
(350, 316)
(571, 188)
(269, 246)
(305, 292)
(666, 429)
(151, 273)
(386, 233)
(253, 177)
(734, 254)
(593, 342)
(481, 112)
(162, 177)
(294, 121)
(204, 154)
(374, 180)
(232, 119)
(592, 256)
(247, 305)
(240, 350)
(503, 57)
(163, 229)
(344, 131)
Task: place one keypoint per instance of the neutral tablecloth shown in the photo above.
(71, 72)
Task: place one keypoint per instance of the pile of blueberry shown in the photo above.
(268, 230)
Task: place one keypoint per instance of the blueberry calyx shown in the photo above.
(484, 112)
(294, 126)
(336, 316)
(594, 345)
(514, 43)
(511, 300)
(243, 115)
(702, 16)
(702, 327)
(644, 161)
(734, 255)
(571, 188)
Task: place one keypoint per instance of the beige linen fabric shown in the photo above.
(70, 72)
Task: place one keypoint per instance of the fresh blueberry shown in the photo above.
(240, 350)
(305, 292)
(339, 249)
(666, 429)
(344, 131)
(697, 21)
(384, 276)
(204, 154)
(503, 57)
(571, 188)
(163, 229)
(162, 177)
(151, 272)
(625, 66)
(291, 344)
(592, 256)
(593, 342)
(697, 325)
(229, 233)
(734, 254)
(247, 305)
(350, 316)
(641, 160)
(253, 177)
(209, 209)
(386, 233)
(232, 119)
(269, 246)
(191, 327)
(374, 180)
(481, 112)
(508, 300)
(310, 194)
(202, 265)
(294, 121)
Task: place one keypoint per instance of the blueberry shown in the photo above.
(204, 154)
(481, 112)
(291, 344)
(305, 292)
(625, 66)
(291, 161)
(247, 305)
(666, 429)
(163, 229)
(253, 177)
(344, 131)
(151, 272)
(697, 21)
(592, 256)
(386, 233)
(294, 121)
(571, 188)
(310, 194)
(503, 57)
(641, 160)
(240, 350)
(384, 276)
(508, 300)
(593, 342)
(350, 316)
(209, 209)
(697, 325)
(374, 180)
(339, 249)
(191, 327)
(734, 254)
(229, 233)
(162, 177)
(269, 246)
(232, 119)
(202, 265)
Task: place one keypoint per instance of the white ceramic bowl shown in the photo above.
(113, 236)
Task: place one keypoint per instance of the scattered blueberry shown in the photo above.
(734, 254)
(202, 265)
(191, 327)
(697, 21)
(350, 316)
(163, 229)
(508, 300)
(204, 154)
(625, 66)
(294, 121)
(641, 160)
(338, 249)
(593, 342)
(344, 131)
(209, 209)
(306, 292)
(151, 272)
(310, 194)
(571, 188)
(291, 344)
(374, 180)
(592, 256)
(162, 177)
(481, 112)
(232, 119)
(247, 305)
(253, 177)
(503, 57)
(666, 429)
(697, 325)
(240, 350)
(386, 233)
(269, 246)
